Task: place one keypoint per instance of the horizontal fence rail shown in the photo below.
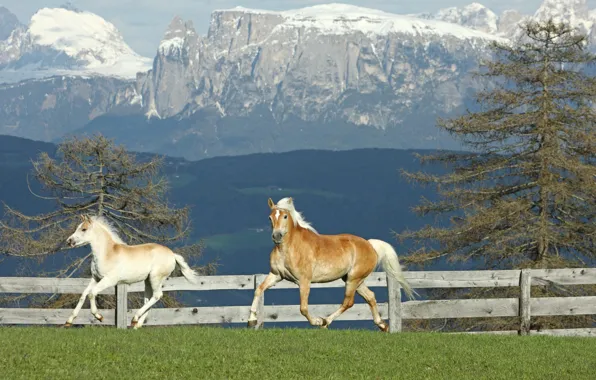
(394, 309)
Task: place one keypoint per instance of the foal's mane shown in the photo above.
(288, 205)
(111, 230)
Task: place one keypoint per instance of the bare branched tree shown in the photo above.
(527, 196)
(94, 176)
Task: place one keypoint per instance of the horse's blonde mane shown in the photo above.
(105, 223)
(288, 204)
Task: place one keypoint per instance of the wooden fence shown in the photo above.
(394, 309)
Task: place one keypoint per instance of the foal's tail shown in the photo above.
(187, 271)
(388, 258)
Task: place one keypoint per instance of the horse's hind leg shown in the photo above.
(148, 295)
(351, 286)
(156, 284)
(304, 293)
(369, 297)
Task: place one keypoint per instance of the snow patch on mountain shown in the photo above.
(66, 41)
(336, 19)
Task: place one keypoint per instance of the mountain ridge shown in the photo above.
(334, 70)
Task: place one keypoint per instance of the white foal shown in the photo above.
(116, 262)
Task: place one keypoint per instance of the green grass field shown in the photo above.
(216, 353)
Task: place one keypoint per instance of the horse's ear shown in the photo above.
(290, 200)
(82, 217)
(270, 202)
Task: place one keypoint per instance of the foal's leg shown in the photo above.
(351, 286)
(77, 309)
(148, 295)
(269, 281)
(102, 285)
(156, 284)
(304, 292)
(369, 297)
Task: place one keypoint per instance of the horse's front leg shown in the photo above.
(269, 281)
(77, 309)
(103, 284)
(304, 292)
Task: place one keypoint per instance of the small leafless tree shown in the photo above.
(94, 176)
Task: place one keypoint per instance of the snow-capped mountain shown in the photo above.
(67, 41)
(477, 16)
(329, 76)
(305, 62)
(474, 16)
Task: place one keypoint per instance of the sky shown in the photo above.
(144, 25)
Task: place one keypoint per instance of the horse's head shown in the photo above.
(82, 234)
(281, 222)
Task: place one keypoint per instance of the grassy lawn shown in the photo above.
(215, 353)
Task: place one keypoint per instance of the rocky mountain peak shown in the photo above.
(179, 35)
(8, 23)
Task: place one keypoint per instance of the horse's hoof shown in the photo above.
(133, 323)
(252, 323)
(325, 324)
(67, 324)
(100, 318)
(384, 327)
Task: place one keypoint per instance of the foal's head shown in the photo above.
(82, 234)
(281, 222)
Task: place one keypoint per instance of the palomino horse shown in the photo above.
(116, 262)
(303, 256)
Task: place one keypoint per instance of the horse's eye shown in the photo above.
(285, 217)
(84, 229)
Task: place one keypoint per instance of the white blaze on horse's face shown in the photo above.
(81, 236)
(279, 220)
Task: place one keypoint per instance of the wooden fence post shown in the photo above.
(525, 285)
(121, 306)
(259, 278)
(394, 304)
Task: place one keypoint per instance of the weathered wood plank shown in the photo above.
(239, 282)
(525, 284)
(195, 315)
(502, 332)
(374, 280)
(474, 308)
(239, 314)
(563, 306)
(417, 279)
(573, 276)
(588, 332)
(291, 313)
(9, 316)
(38, 285)
(394, 305)
(462, 279)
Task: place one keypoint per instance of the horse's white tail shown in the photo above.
(187, 271)
(390, 262)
